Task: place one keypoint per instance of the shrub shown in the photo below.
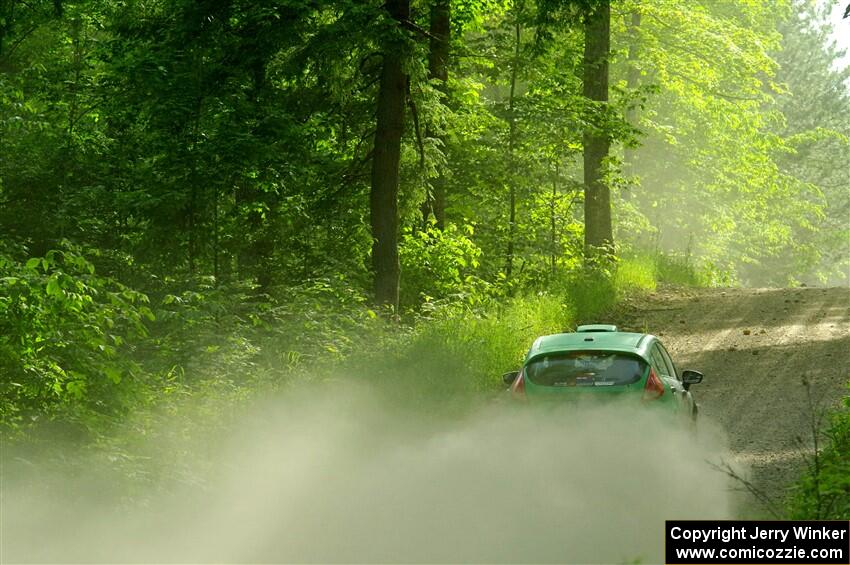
(234, 333)
(437, 264)
(823, 492)
(587, 295)
(66, 335)
(677, 269)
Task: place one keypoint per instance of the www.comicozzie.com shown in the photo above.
(700, 541)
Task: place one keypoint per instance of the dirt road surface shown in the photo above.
(755, 347)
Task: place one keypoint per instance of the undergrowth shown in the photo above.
(210, 351)
(117, 374)
(823, 491)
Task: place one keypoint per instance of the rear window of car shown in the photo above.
(585, 368)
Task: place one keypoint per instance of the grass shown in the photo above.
(459, 351)
(643, 271)
(638, 273)
(678, 270)
(486, 343)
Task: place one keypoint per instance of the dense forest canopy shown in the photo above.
(235, 139)
(161, 158)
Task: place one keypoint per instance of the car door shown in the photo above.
(685, 398)
(666, 371)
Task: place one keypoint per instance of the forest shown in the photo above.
(206, 202)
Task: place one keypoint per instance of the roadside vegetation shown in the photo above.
(64, 326)
(203, 203)
(823, 492)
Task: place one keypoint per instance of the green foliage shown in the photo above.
(239, 336)
(719, 163)
(591, 294)
(641, 271)
(474, 346)
(233, 140)
(438, 264)
(456, 350)
(637, 273)
(677, 270)
(215, 154)
(823, 492)
(66, 338)
(816, 132)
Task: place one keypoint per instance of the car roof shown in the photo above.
(628, 342)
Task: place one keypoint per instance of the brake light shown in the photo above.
(654, 387)
(518, 386)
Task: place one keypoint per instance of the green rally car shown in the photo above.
(600, 360)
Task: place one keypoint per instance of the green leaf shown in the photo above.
(113, 374)
(76, 388)
(53, 288)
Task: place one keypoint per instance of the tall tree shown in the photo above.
(512, 135)
(632, 78)
(383, 200)
(438, 69)
(597, 197)
(815, 131)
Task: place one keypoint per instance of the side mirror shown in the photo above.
(509, 378)
(691, 378)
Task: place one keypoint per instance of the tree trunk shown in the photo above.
(383, 199)
(438, 61)
(509, 259)
(597, 197)
(67, 163)
(253, 254)
(553, 234)
(632, 82)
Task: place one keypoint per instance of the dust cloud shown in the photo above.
(334, 474)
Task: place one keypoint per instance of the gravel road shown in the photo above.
(756, 347)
